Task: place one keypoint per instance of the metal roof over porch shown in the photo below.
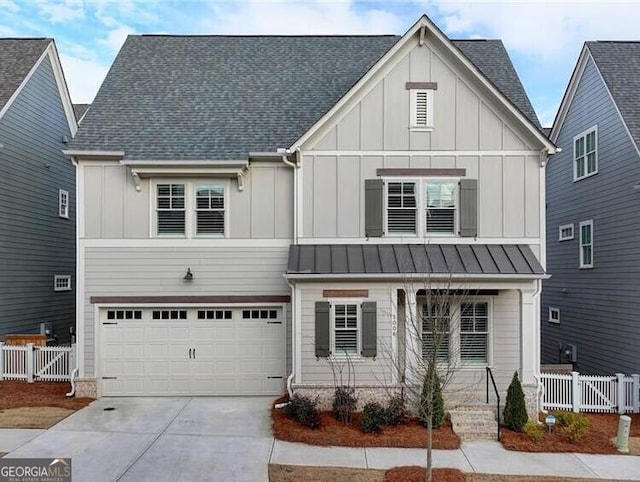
(414, 259)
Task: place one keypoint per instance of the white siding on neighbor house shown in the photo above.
(504, 338)
(115, 210)
(508, 192)
(159, 272)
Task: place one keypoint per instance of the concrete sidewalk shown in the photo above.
(479, 456)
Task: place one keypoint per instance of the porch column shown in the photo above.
(412, 350)
(529, 339)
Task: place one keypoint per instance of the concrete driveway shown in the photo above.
(162, 439)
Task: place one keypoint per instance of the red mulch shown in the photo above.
(597, 440)
(333, 432)
(419, 474)
(16, 393)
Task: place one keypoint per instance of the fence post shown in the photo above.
(636, 393)
(575, 392)
(1, 360)
(30, 362)
(72, 359)
(621, 397)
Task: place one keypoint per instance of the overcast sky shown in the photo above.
(542, 38)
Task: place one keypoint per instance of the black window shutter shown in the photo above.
(468, 207)
(369, 334)
(373, 207)
(323, 327)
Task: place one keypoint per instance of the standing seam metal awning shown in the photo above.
(399, 259)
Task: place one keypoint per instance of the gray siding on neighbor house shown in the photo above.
(35, 243)
(599, 307)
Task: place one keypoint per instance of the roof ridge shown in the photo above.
(266, 35)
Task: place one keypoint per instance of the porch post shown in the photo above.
(529, 328)
(412, 351)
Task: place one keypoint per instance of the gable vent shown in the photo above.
(421, 109)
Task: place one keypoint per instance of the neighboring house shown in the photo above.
(590, 304)
(37, 202)
(250, 205)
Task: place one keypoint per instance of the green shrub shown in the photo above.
(515, 409)
(533, 431)
(574, 426)
(303, 410)
(396, 410)
(344, 404)
(373, 417)
(565, 418)
(435, 405)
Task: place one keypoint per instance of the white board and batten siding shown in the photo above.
(472, 130)
(115, 210)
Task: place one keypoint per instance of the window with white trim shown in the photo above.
(440, 207)
(565, 232)
(436, 330)
(191, 209)
(62, 282)
(474, 332)
(401, 208)
(346, 328)
(63, 203)
(586, 244)
(554, 315)
(170, 209)
(421, 109)
(585, 154)
(210, 209)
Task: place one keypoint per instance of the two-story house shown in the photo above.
(590, 304)
(250, 206)
(37, 200)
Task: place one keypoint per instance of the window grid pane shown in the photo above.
(436, 326)
(170, 208)
(585, 155)
(346, 329)
(401, 208)
(210, 210)
(474, 332)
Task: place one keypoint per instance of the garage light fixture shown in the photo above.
(188, 276)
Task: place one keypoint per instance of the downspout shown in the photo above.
(294, 166)
(536, 374)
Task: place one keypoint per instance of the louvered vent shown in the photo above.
(421, 119)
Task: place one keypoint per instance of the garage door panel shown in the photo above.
(197, 352)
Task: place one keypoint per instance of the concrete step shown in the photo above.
(474, 422)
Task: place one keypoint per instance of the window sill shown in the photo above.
(352, 358)
(577, 179)
(555, 322)
(585, 267)
(421, 129)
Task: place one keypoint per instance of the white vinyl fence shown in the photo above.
(34, 363)
(589, 393)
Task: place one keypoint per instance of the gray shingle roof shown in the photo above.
(17, 57)
(80, 109)
(220, 97)
(493, 61)
(619, 64)
(403, 259)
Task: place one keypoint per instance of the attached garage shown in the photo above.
(192, 351)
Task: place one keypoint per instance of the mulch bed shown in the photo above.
(419, 474)
(597, 440)
(332, 432)
(16, 393)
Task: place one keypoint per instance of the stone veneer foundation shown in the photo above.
(86, 387)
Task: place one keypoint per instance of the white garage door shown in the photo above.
(192, 351)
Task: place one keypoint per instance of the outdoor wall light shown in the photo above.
(188, 276)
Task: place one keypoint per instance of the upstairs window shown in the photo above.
(440, 207)
(585, 154)
(421, 109)
(565, 232)
(170, 208)
(63, 204)
(586, 244)
(554, 315)
(210, 210)
(401, 208)
(62, 282)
